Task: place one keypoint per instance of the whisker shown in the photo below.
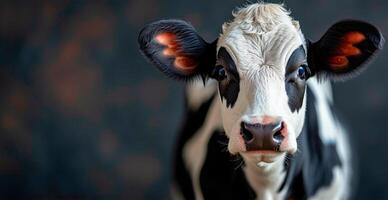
(222, 142)
(224, 145)
(239, 165)
(235, 158)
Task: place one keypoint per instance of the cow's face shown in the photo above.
(262, 63)
(264, 71)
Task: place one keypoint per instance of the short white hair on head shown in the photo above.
(260, 18)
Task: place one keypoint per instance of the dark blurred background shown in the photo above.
(83, 115)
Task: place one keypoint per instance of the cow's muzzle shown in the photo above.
(266, 136)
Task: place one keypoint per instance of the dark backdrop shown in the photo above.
(83, 115)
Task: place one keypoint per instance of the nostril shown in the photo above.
(246, 134)
(277, 136)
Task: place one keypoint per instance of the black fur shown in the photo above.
(311, 168)
(221, 177)
(191, 45)
(230, 86)
(295, 87)
(320, 51)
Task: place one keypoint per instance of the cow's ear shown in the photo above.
(176, 49)
(344, 50)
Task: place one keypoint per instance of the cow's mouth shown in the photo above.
(262, 157)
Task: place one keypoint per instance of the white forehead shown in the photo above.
(261, 34)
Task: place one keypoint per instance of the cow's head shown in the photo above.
(262, 63)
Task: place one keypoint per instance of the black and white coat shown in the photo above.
(261, 125)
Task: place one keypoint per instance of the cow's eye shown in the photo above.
(219, 73)
(302, 72)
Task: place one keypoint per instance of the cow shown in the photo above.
(260, 121)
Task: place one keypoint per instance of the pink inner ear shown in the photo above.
(166, 38)
(172, 49)
(338, 62)
(353, 37)
(346, 49)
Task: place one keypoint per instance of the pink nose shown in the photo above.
(268, 134)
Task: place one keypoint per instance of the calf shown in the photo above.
(266, 100)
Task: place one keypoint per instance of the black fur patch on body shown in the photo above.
(221, 177)
(311, 168)
(193, 121)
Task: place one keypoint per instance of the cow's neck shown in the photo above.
(265, 178)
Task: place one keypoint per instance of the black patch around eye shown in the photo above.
(295, 87)
(230, 86)
(295, 92)
(229, 90)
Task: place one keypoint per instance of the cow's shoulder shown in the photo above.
(321, 165)
(199, 103)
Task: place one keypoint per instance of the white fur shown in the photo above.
(331, 131)
(327, 124)
(260, 40)
(265, 179)
(197, 92)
